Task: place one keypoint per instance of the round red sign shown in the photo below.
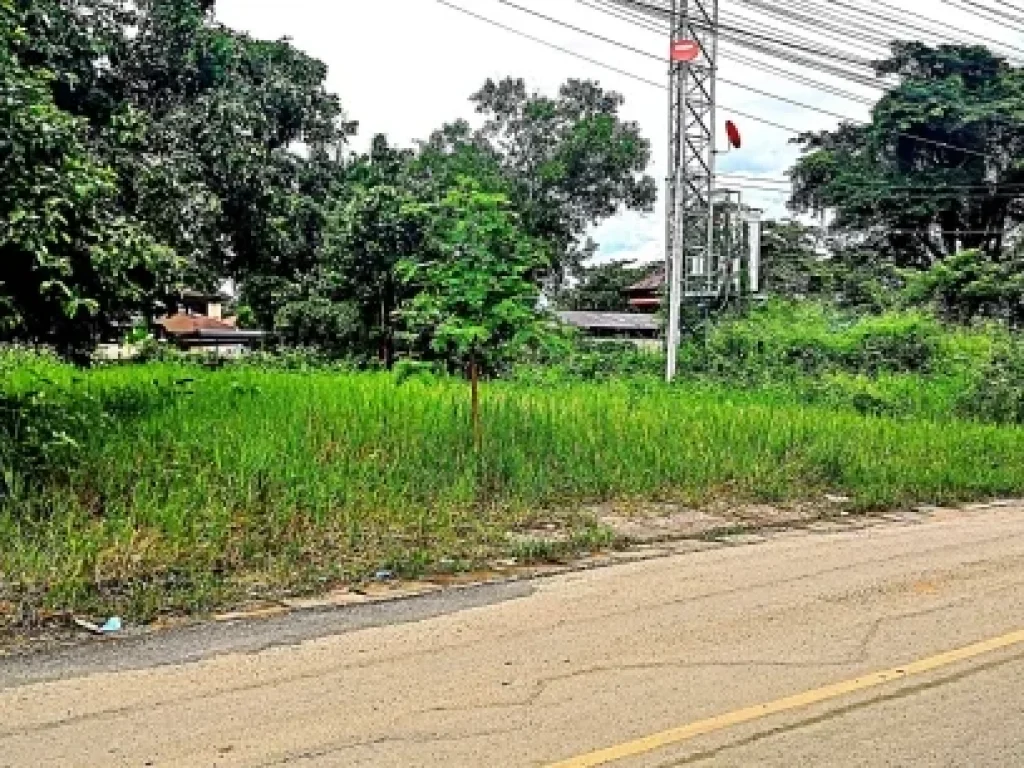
(685, 50)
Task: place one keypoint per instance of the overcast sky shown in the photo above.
(404, 67)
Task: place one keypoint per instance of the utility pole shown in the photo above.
(691, 260)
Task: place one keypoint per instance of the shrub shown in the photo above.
(784, 339)
(997, 393)
(591, 360)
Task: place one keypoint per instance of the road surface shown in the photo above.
(891, 646)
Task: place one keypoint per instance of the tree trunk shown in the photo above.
(474, 379)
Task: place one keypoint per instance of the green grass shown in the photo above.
(179, 488)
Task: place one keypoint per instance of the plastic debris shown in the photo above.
(384, 576)
(112, 626)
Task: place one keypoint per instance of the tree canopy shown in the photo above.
(71, 259)
(566, 162)
(147, 148)
(938, 168)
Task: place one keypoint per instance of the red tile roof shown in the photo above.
(652, 283)
(184, 325)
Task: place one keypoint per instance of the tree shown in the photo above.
(311, 317)
(968, 285)
(218, 173)
(473, 301)
(793, 265)
(210, 163)
(602, 287)
(379, 223)
(71, 263)
(937, 169)
(565, 163)
(168, 129)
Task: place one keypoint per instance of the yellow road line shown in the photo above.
(799, 701)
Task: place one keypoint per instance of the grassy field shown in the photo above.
(147, 488)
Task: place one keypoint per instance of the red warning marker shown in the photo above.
(685, 50)
(734, 134)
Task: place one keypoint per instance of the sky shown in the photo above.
(405, 67)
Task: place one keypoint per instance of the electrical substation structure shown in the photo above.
(712, 240)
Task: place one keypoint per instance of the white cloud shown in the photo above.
(404, 67)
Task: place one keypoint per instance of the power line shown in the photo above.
(900, 18)
(824, 63)
(882, 184)
(806, 46)
(603, 65)
(865, 24)
(985, 13)
(921, 195)
(753, 63)
(648, 54)
(767, 94)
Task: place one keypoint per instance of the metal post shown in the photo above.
(670, 198)
(674, 252)
(693, 269)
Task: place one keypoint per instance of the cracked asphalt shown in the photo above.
(530, 674)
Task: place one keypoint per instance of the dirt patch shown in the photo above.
(650, 523)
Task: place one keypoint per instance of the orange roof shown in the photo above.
(183, 325)
(653, 282)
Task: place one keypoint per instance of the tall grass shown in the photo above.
(183, 482)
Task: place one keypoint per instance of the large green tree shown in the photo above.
(473, 301)
(224, 146)
(72, 262)
(374, 223)
(566, 163)
(939, 167)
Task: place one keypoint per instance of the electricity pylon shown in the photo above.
(691, 260)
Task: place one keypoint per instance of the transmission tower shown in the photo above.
(691, 260)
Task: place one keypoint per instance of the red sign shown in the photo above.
(734, 134)
(685, 50)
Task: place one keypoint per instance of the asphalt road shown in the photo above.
(899, 645)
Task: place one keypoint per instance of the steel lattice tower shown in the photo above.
(691, 264)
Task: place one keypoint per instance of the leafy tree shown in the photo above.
(168, 128)
(473, 301)
(602, 287)
(565, 163)
(316, 319)
(938, 169)
(793, 264)
(379, 224)
(801, 262)
(201, 125)
(226, 113)
(71, 264)
(968, 285)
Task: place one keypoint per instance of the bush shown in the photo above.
(331, 326)
(997, 394)
(784, 339)
(894, 342)
(592, 360)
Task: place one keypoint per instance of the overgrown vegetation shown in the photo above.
(169, 486)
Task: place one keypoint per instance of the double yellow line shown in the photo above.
(675, 736)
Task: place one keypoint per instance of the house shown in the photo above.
(200, 326)
(642, 330)
(645, 296)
